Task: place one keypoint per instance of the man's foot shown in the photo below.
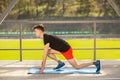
(60, 65)
(97, 64)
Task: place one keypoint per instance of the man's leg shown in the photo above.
(78, 66)
(51, 54)
(69, 56)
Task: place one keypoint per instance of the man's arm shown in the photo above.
(46, 49)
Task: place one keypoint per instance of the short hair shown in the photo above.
(39, 26)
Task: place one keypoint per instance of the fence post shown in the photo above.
(94, 40)
(21, 43)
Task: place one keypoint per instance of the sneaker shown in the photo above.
(60, 65)
(97, 64)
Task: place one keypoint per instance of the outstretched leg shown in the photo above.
(79, 66)
(69, 56)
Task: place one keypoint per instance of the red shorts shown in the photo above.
(68, 54)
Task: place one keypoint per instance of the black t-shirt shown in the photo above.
(56, 43)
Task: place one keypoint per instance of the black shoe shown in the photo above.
(60, 65)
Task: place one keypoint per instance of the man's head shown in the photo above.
(39, 30)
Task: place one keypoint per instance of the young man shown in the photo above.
(53, 44)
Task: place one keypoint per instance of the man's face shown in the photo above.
(38, 33)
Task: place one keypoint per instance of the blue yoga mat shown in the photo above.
(89, 70)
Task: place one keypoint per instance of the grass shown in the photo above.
(79, 54)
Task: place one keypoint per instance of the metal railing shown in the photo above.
(94, 22)
(6, 12)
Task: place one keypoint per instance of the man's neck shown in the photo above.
(42, 36)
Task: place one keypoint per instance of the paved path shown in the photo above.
(15, 70)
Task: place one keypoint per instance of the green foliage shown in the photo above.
(38, 9)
